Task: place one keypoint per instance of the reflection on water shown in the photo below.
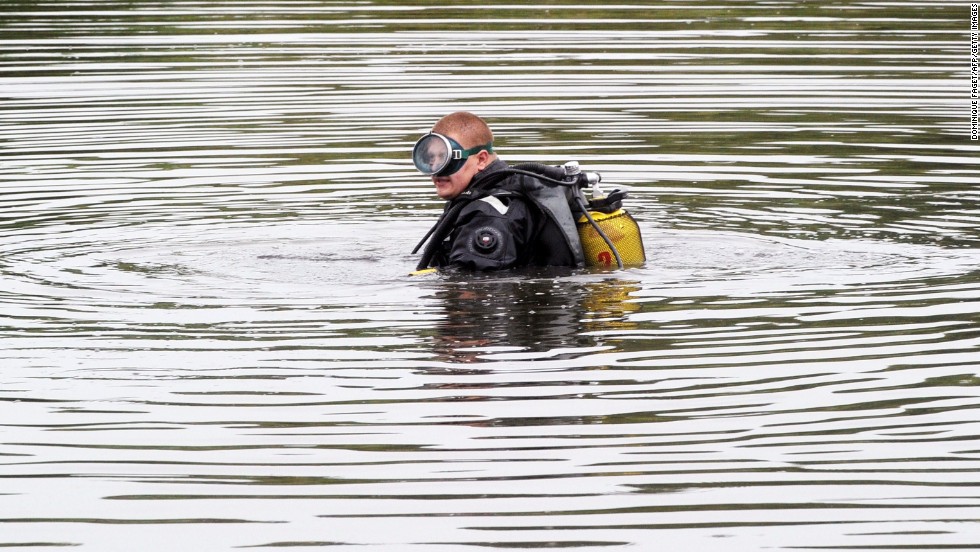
(208, 335)
(527, 315)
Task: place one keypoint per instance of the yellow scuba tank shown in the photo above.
(606, 213)
(621, 229)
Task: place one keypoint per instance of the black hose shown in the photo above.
(550, 172)
(438, 231)
(429, 233)
(541, 177)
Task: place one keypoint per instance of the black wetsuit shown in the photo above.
(496, 224)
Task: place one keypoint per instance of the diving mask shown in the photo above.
(439, 155)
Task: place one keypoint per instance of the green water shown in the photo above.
(208, 338)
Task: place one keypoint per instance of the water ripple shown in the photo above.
(209, 334)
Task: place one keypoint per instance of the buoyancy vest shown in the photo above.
(553, 200)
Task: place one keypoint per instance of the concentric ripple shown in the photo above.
(209, 338)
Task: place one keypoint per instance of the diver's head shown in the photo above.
(459, 146)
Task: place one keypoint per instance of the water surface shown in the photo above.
(208, 338)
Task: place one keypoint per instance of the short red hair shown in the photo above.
(466, 128)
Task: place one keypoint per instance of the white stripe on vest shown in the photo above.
(494, 202)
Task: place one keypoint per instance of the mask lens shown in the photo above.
(432, 154)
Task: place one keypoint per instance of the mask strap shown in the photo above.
(463, 154)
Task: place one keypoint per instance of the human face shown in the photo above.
(449, 187)
(441, 155)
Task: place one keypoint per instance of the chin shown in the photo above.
(444, 190)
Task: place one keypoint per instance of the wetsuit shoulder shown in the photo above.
(492, 233)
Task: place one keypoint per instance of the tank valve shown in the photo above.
(572, 168)
(573, 172)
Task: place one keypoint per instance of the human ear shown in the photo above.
(483, 159)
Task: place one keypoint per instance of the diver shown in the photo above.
(490, 220)
(497, 216)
